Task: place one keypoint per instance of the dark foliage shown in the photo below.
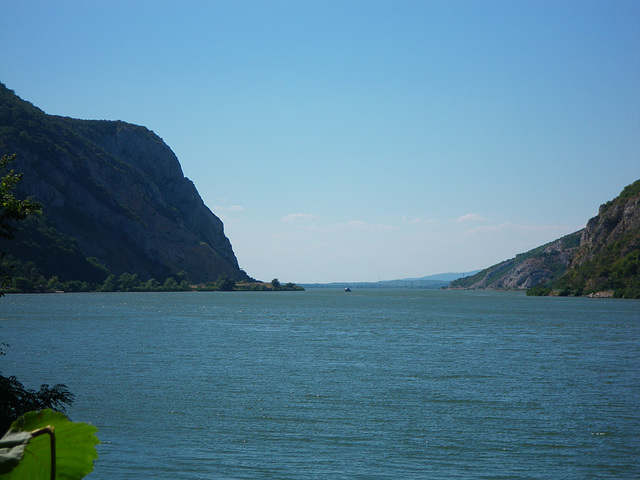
(538, 291)
(16, 400)
(38, 245)
(13, 209)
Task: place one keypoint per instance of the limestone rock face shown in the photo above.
(609, 256)
(118, 190)
(527, 270)
(614, 222)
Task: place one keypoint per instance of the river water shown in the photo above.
(323, 384)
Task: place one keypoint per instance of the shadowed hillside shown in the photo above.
(117, 191)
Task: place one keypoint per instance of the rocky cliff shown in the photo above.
(538, 266)
(609, 253)
(617, 222)
(605, 255)
(118, 190)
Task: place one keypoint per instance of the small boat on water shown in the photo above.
(347, 289)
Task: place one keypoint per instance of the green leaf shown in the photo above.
(75, 447)
(12, 447)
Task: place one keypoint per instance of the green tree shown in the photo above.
(152, 284)
(224, 283)
(538, 291)
(11, 208)
(110, 284)
(76, 286)
(129, 282)
(22, 284)
(182, 276)
(275, 283)
(15, 399)
(54, 284)
(170, 284)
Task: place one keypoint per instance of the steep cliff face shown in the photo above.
(617, 221)
(118, 190)
(609, 254)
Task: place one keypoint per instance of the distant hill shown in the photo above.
(444, 277)
(114, 195)
(604, 256)
(426, 284)
(429, 282)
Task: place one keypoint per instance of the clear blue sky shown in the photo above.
(358, 140)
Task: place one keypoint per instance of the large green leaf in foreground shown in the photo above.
(75, 448)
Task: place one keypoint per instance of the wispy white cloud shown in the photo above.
(224, 212)
(418, 220)
(351, 227)
(231, 208)
(360, 225)
(298, 217)
(471, 217)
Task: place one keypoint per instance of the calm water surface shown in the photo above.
(374, 384)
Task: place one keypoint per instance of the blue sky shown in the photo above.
(358, 140)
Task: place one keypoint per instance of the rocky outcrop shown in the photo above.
(118, 190)
(618, 220)
(609, 255)
(540, 265)
(601, 260)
